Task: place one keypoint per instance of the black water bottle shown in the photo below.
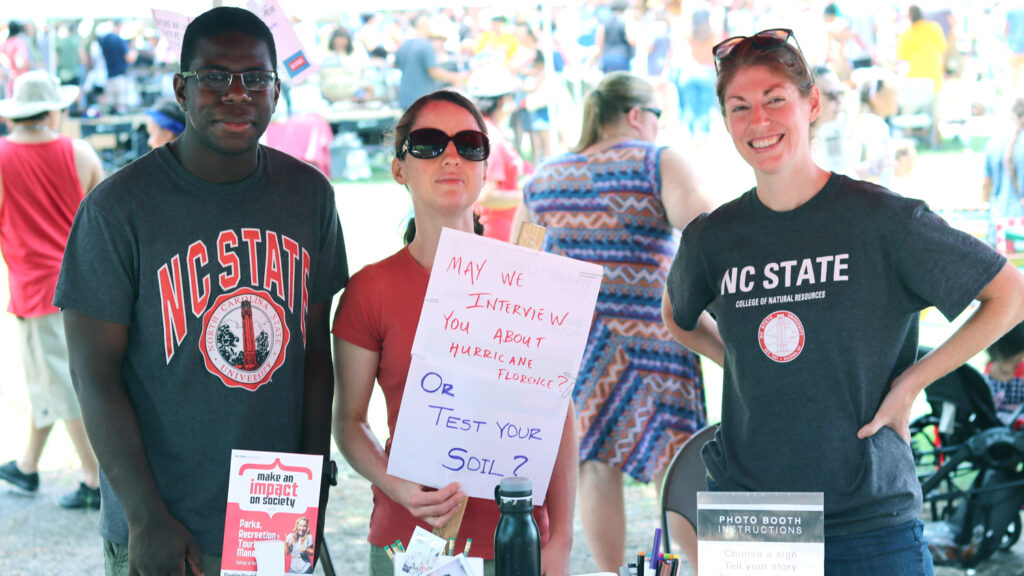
(517, 539)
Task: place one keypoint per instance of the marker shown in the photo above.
(465, 551)
(640, 561)
(451, 546)
(398, 544)
(390, 554)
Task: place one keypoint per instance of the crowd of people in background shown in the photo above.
(971, 54)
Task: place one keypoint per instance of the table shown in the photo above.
(118, 139)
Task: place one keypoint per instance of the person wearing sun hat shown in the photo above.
(43, 177)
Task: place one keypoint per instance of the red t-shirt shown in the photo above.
(379, 311)
(504, 167)
(41, 194)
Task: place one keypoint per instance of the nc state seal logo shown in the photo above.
(781, 336)
(244, 338)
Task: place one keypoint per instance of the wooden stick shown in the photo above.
(451, 528)
(530, 236)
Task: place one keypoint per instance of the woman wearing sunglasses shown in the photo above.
(616, 200)
(441, 153)
(807, 289)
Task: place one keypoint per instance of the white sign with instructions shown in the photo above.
(497, 349)
(761, 533)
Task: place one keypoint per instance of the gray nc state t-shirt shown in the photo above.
(214, 283)
(818, 308)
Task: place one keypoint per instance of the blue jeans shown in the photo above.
(897, 551)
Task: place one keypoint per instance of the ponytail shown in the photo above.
(605, 105)
(591, 130)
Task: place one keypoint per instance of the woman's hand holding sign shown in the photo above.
(435, 507)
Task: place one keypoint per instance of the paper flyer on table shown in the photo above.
(272, 496)
(497, 349)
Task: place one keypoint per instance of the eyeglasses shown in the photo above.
(651, 109)
(220, 80)
(764, 40)
(427, 143)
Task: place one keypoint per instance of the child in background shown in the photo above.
(1005, 371)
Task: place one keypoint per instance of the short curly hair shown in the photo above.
(225, 20)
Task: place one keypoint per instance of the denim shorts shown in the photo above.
(897, 551)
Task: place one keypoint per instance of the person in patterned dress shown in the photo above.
(616, 200)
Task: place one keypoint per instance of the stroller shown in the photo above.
(971, 469)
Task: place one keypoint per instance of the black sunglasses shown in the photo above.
(651, 109)
(427, 143)
(764, 40)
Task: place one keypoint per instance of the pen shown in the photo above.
(465, 551)
(655, 547)
(451, 546)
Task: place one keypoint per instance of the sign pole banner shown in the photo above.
(495, 358)
(761, 533)
(172, 27)
(273, 500)
(290, 53)
(293, 60)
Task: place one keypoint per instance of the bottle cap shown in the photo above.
(516, 486)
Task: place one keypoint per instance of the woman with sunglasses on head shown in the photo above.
(441, 155)
(807, 289)
(616, 200)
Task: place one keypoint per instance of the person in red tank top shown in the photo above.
(43, 177)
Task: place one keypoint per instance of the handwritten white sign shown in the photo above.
(495, 358)
(761, 533)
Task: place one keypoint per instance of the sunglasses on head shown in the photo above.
(427, 143)
(764, 40)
